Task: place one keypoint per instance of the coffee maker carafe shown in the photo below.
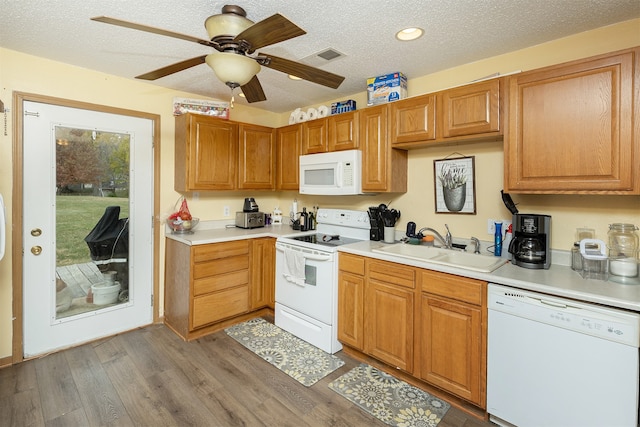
(530, 245)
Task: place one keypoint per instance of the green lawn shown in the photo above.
(75, 218)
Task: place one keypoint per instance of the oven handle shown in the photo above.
(311, 256)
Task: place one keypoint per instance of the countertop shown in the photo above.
(559, 280)
(226, 231)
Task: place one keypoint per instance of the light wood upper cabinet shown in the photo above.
(256, 157)
(288, 150)
(333, 133)
(206, 153)
(216, 154)
(384, 169)
(315, 138)
(574, 127)
(470, 110)
(413, 119)
(343, 131)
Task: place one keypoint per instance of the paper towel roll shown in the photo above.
(302, 117)
(323, 111)
(312, 113)
(294, 116)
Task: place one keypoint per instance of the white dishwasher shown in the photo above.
(556, 362)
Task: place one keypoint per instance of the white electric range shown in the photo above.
(307, 276)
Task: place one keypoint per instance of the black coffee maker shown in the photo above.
(531, 242)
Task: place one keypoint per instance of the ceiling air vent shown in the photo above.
(323, 57)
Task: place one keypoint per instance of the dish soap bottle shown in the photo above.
(497, 239)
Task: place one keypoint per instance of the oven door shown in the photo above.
(316, 297)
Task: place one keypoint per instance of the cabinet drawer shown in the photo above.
(390, 272)
(220, 282)
(220, 250)
(220, 266)
(220, 305)
(454, 287)
(352, 263)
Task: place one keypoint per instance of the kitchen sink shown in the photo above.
(430, 254)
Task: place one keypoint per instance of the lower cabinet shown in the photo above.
(430, 325)
(351, 301)
(208, 284)
(263, 273)
(452, 334)
(389, 312)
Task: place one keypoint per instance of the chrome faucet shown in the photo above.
(446, 241)
(448, 238)
(476, 243)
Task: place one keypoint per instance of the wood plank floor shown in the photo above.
(150, 377)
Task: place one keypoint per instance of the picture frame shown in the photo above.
(455, 185)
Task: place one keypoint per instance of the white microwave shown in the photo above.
(335, 173)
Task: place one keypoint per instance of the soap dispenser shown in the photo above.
(497, 239)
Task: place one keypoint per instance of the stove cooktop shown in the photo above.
(325, 239)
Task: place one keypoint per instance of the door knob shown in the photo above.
(36, 232)
(36, 250)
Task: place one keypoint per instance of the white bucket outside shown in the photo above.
(105, 292)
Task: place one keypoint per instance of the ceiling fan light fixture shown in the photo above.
(230, 23)
(409, 34)
(232, 67)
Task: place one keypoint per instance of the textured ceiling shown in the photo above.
(457, 32)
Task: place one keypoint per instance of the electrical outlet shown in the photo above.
(227, 211)
(491, 227)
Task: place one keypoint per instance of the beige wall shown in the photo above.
(568, 212)
(24, 73)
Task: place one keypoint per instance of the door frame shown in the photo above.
(17, 208)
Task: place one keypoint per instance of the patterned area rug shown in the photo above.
(390, 400)
(295, 357)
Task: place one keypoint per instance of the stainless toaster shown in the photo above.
(249, 219)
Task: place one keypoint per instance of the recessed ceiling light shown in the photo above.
(292, 77)
(409, 34)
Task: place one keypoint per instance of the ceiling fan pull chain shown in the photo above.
(232, 98)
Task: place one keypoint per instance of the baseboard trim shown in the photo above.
(5, 361)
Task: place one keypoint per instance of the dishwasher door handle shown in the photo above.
(553, 304)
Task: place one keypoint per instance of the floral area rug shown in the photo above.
(389, 399)
(295, 357)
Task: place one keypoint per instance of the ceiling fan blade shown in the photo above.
(173, 68)
(269, 31)
(303, 71)
(253, 91)
(154, 30)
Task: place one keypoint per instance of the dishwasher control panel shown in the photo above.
(607, 323)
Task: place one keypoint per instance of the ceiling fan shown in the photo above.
(235, 62)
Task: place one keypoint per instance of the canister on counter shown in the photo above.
(595, 263)
(623, 249)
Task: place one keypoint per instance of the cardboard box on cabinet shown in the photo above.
(386, 88)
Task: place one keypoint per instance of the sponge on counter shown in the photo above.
(428, 240)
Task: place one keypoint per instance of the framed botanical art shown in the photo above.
(455, 184)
